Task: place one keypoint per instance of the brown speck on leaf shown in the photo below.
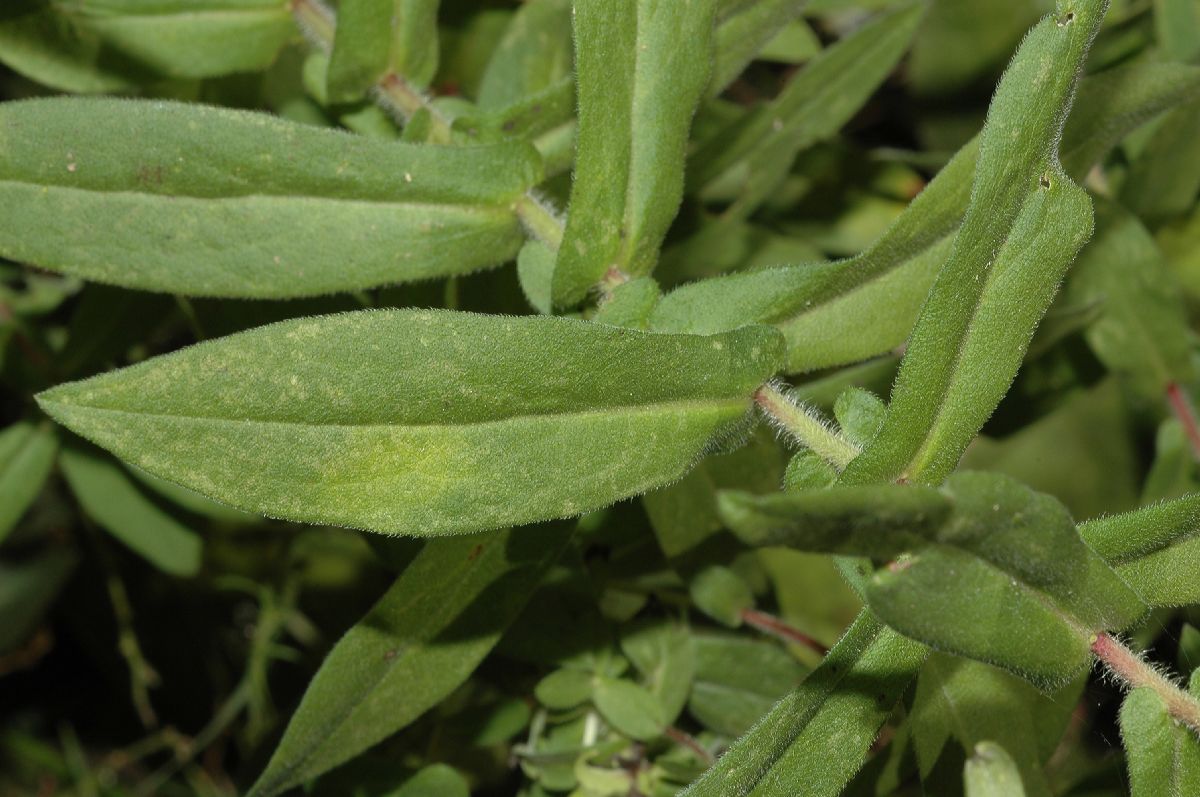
(389, 655)
(474, 554)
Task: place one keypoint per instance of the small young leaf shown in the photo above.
(815, 739)
(217, 202)
(628, 707)
(26, 456)
(1156, 550)
(721, 594)
(425, 422)
(642, 66)
(1023, 227)
(419, 642)
(1163, 756)
(1143, 332)
(991, 772)
(115, 501)
(564, 689)
(737, 680)
(663, 655)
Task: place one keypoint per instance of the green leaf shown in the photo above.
(743, 29)
(534, 54)
(991, 772)
(820, 307)
(107, 45)
(975, 703)
(813, 106)
(420, 641)
(217, 202)
(114, 500)
(1156, 550)
(996, 557)
(374, 37)
(628, 707)
(721, 594)
(859, 413)
(424, 422)
(815, 739)
(564, 689)
(435, 780)
(1163, 756)
(1143, 332)
(737, 680)
(662, 654)
(641, 68)
(27, 589)
(684, 514)
(26, 456)
(1024, 225)
(1165, 177)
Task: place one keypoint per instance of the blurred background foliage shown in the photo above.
(154, 642)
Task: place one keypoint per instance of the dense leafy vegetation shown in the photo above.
(617, 398)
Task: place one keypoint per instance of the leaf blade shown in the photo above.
(424, 422)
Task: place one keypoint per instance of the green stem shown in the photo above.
(809, 429)
(539, 220)
(1131, 669)
(557, 147)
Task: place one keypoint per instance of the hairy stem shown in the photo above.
(1131, 669)
(808, 429)
(770, 624)
(540, 220)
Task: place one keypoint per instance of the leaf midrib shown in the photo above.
(645, 408)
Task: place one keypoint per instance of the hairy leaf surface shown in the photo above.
(424, 422)
(641, 67)
(217, 202)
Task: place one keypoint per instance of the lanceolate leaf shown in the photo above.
(1155, 549)
(815, 739)
(1163, 755)
(1164, 180)
(641, 67)
(813, 106)
(99, 45)
(982, 535)
(425, 422)
(534, 54)
(26, 456)
(109, 494)
(1023, 227)
(423, 639)
(226, 203)
(820, 306)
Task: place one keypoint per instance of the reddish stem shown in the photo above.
(687, 740)
(1131, 669)
(1181, 405)
(772, 625)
